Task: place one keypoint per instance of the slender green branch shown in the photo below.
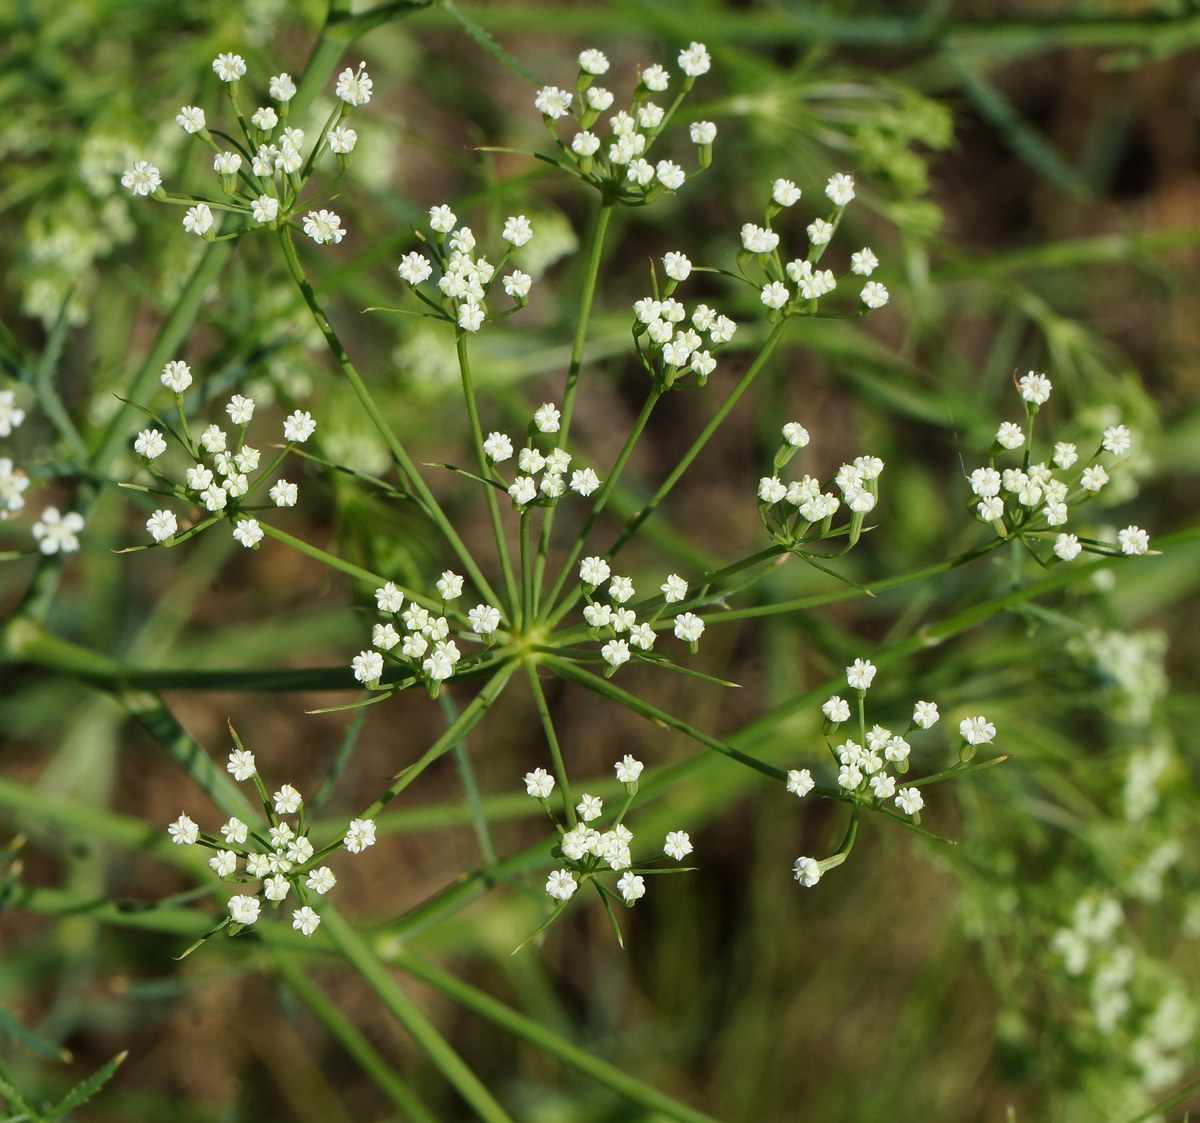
(560, 769)
(358, 953)
(714, 423)
(598, 504)
(404, 464)
(466, 721)
(293, 972)
(466, 772)
(464, 367)
(586, 299)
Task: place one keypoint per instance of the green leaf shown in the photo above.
(86, 1089)
(488, 43)
(14, 1031)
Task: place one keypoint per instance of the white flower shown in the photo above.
(585, 143)
(320, 881)
(442, 219)
(298, 426)
(341, 140)
(775, 294)
(414, 647)
(287, 800)
(176, 376)
(925, 714)
(584, 481)
(702, 132)
(299, 850)
(229, 67)
(621, 589)
(800, 781)
(598, 615)
(226, 163)
(693, 60)
(819, 231)
(864, 262)
(11, 417)
(656, 78)
(722, 331)
(883, 786)
(1065, 454)
(874, 295)
(757, 239)
(281, 835)
(531, 461)
(1035, 388)
(795, 434)
(1133, 540)
(265, 209)
(689, 627)
(367, 665)
(141, 179)
(258, 865)
(284, 494)
(241, 764)
(235, 831)
(183, 831)
(910, 800)
(1094, 478)
(450, 585)
(484, 619)
(1117, 439)
(323, 227)
(150, 444)
(840, 189)
(677, 266)
(470, 316)
(161, 525)
(552, 102)
(670, 174)
(276, 888)
(1010, 435)
(190, 119)
(976, 730)
(354, 89)
(539, 783)
(1067, 547)
(594, 571)
(628, 769)
(264, 118)
(389, 598)
(807, 871)
(861, 674)
(678, 845)
(240, 409)
(593, 62)
(632, 886)
(414, 268)
(985, 482)
(517, 230)
(785, 192)
(598, 98)
(282, 88)
(523, 490)
(248, 533)
(991, 509)
(305, 920)
(244, 910)
(56, 532)
(561, 885)
(771, 489)
(384, 636)
(547, 418)
(615, 652)
(649, 115)
(359, 835)
(674, 589)
(836, 709)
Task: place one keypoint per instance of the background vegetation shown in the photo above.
(1029, 176)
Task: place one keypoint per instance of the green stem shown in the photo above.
(374, 972)
(760, 359)
(526, 571)
(344, 1032)
(466, 772)
(401, 458)
(464, 367)
(586, 299)
(463, 724)
(560, 768)
(606, 489)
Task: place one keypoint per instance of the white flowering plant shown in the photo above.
(517, 548)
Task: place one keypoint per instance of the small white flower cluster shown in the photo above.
(670, 342)
(267, 191)
(587, 852)
(792, 289)
(862, 775)
(553, 466)
(465, 278)
(280, 856)
(425, 649)
(790, 511)
(619, 625)
(622, 168)
(1036, 499)
(221, 476)
(55, 532)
